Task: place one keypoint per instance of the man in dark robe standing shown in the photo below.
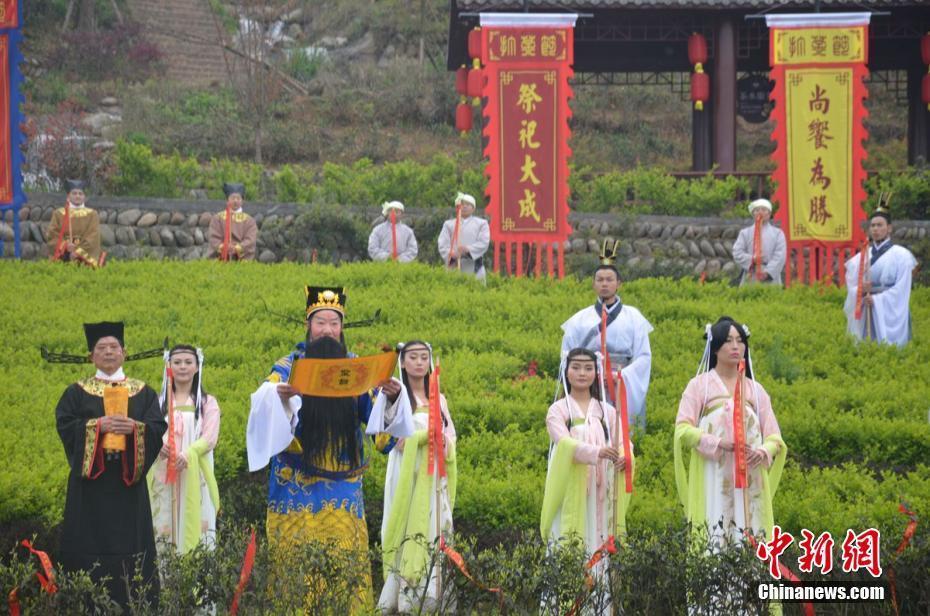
(111, 428)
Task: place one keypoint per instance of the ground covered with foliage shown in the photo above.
(854, 417)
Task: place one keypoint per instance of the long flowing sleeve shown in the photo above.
(249, 238)
(54, 228)
(376, 249)
(483, 239)
(270, 428)
(79, 433)
(891, 307)
(445, 240)
(449, 429)
(410, 249)
(853, 325)
(637, 373)
(393, 418)
(742, 249)
(89, 241)
(689, 413)
(210, 423)
(776, 261)
(557, 426)
(146, 440)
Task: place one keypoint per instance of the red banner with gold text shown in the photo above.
(527, 68)
(818, 66)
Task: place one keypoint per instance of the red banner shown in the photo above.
(526, 91)
(818, 66)
(9, 14)
(6, 154)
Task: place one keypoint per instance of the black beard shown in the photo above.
(329, 429)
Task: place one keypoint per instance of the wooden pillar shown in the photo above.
(702, 138)
(918, 118)
(723, 96)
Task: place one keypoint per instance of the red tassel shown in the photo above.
(436, 461)
(456, 559)
(247, 562)
(739, 431)
(909, 531)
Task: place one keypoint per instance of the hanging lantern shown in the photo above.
(700, 81)
(463, 117)
(925, 48)
(475, 84)
(461, 81)
(474, 43)
(697, 49)
(700, 89)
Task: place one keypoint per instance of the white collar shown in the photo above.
(112, 378)
(883, 242)
(76, 207)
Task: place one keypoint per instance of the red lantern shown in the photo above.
(700, 89)
(925, 48)
(461, 81)
(925, 91)
(463, 118)
(697, 49)
(474, 43)
(475, 85)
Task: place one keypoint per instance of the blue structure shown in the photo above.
(14, 37)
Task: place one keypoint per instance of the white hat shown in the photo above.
(391, 205)
(760, 203)
(463, 198)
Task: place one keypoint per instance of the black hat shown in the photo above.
(74, 185)
(229, 189)
(95, 331)
(325, 347)
(325, 298)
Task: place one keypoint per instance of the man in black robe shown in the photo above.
(111, 438)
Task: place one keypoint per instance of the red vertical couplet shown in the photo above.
(623, 408)
(436, 461)
(6, 152)
(818, 64)
(527, 66)
(393, 234)
(739, 431)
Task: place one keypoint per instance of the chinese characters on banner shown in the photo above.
(527, 62)
(818, 66)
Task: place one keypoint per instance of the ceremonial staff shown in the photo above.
(741, 479)
(65, 225)
(436, 461)
(393, 234)
(454, 246)
(757, 247)
(227, 232)
(622, 432)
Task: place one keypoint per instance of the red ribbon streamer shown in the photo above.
(757, 248)
(625, 432)
(437, 455)
(227, 233)
(739, 431)
(247, 562)
(909, 531)
(171, 472)
(393, 234)
(459, 563)
(785, 573)
(608, 547)
(454, 245)
(46, 578)
(608, 369)
(862, 253)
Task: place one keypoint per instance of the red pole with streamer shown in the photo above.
(393, 234)
(757, 248)
(171, 472)
(227, 233)
(624, 432)
(862, 265)
(739, 431)
(247, 562)
(65, 227)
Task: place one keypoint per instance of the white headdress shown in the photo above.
(464, 198)
(387, 206)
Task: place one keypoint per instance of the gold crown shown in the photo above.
(325, 298)
(608, 255)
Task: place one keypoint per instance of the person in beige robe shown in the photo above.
(243, 231)
(74, 232)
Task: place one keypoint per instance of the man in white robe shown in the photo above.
(627, 339)
(774, 247)
(466, 251)
(886, 288)
(381, 241)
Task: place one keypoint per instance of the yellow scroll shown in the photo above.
(115, 402)
(340, 378)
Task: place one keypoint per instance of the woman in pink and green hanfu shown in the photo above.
(704, 427)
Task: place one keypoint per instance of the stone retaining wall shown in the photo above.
(136, 228)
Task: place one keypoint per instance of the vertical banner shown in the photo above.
(818, 65)
(527, 60)
(11, 135)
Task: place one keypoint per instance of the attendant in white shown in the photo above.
(381, 241)
(886, 288)
(410, 496)
(774, 247)
(627, 337)
(185, 502)
(465, 251)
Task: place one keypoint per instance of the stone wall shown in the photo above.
(136, 228)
